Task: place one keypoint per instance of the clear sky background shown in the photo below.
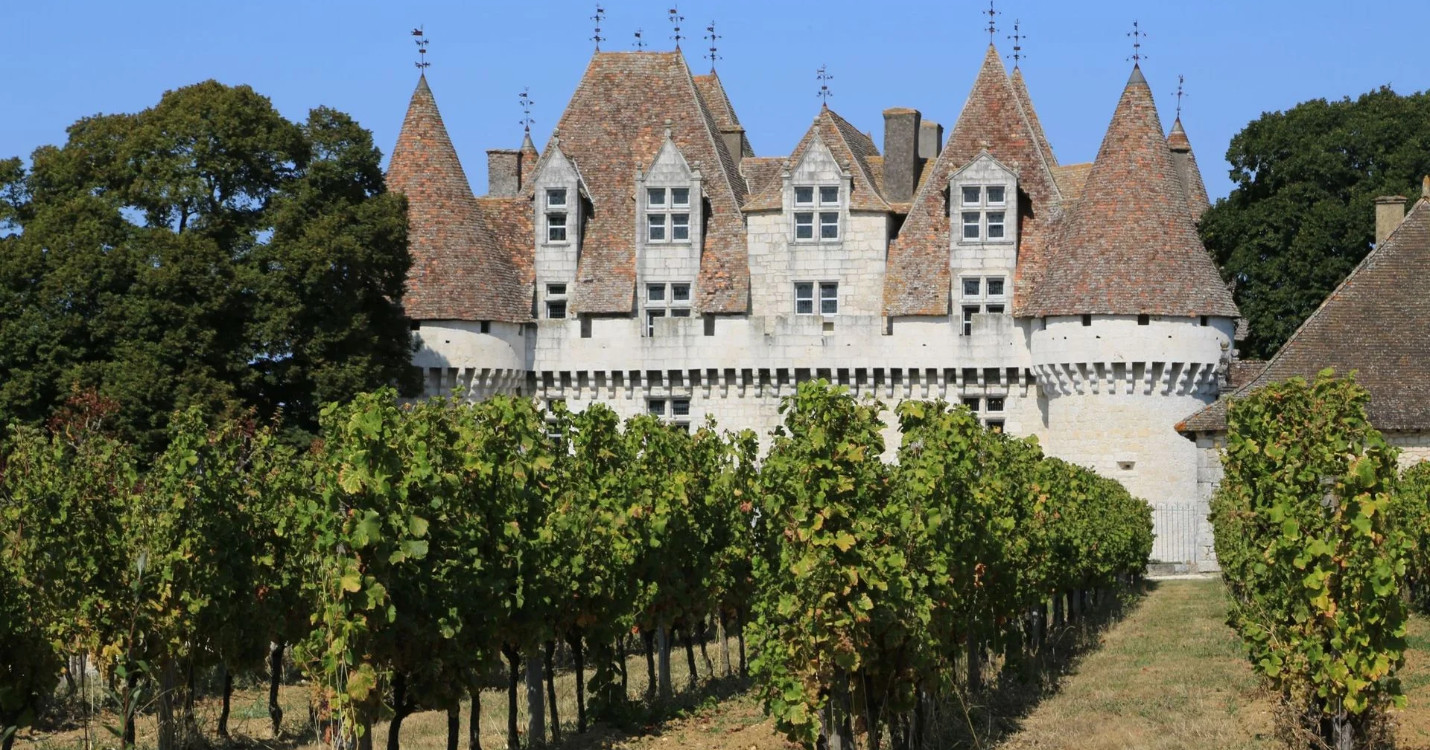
(65, 60)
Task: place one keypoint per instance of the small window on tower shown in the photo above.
(970, 225)
(555, 301)
(655, 227)
(995, 286)
(995, 225)
(1144, 319)
(1087, 320)
(804, 298)
(556, 198)
(680, 227)
(556, 227)
(972, 404)
(971, 286)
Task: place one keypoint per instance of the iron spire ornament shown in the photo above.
(824, 77)
(712, 37)
(1137, 35)
(1181, 79)
(525, 98)
(600, 16)
(640, 41)
(421, 40)
(1017, 38)
(675, 19)
(992, 13)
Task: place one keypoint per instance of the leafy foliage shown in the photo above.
(1313, 550)
(1302, 214)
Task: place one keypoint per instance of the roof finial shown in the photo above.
(675, 19)
(712, 37)
(1137, 35)
(600, 16)
(992, 27)
(421, 40)
(525, 98)
(1017, 38)
(640, 42)
(824, 77)
(1180, 80)
(1425, 187)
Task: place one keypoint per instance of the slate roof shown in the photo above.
(1020, 87)
(1377, 322)
(615, 121)
(848, 146)
(917, 278)
(460, 269)
(1131, 246)
(1188, 173)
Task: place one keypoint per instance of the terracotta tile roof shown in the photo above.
(615, 121)
(1131, 247)
(1020, 87)
(1071, 178)
(460, 270)
(1244, 371)
(1188, 173)
(712, 92)
(917, 281)
(760, 172)
(509, 220)
(1377, 322)
(847, 145)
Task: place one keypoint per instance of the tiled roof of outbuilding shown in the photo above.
(460, 269)
(1375, 323)
(917, 280)
(1131, 247)
(847, 145)
(616, 121)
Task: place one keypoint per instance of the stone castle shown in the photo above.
(647, 258)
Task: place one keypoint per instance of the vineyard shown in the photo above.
(416, 554)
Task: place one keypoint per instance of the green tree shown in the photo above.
(1302, 213)
(205, 251)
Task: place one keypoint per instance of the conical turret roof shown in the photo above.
(1020, 87)
(459, 272)
(992, 120)
(1131, 247)
(1188, 173)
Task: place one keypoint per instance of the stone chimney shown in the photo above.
(503, 172)
(901, 153)
(1389, 212)
(930, 139)
(734, 138)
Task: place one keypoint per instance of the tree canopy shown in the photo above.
(1302, 214)
(203, 252)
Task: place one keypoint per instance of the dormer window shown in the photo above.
(667, 214)
(556, 215)
(983, 213)
(824, 202)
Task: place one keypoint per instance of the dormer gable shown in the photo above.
(669, 200)
(816, 196)
(558, 193)
(983, 203)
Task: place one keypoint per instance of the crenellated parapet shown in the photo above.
(1128, 378)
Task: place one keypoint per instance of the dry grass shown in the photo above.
(1169, 676)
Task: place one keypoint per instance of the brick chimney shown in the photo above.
(1389, 212)
(930, 139)
(901, 153)
(503, 172)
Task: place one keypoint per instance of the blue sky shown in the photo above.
(66, 60)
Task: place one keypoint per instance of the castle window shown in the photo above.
(555, 301)
(995, 404)
(666, 300)
(982, 213)
(982, 294)
(804, 297)
(828, 216)
(667, 214)
(556, 198)
(995, 426)
(675, 411)
(1144, 319)
(1086, 319)
(556, 226)
(972, 404)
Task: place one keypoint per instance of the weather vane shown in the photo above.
(421, 40)
(712, 37)
(640, 43)
(824, 77)
(991, 13)
(1180, 80)
(1017, 38)
(1137, 35)
(675, 19)
(525, 98)
(600, 15)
